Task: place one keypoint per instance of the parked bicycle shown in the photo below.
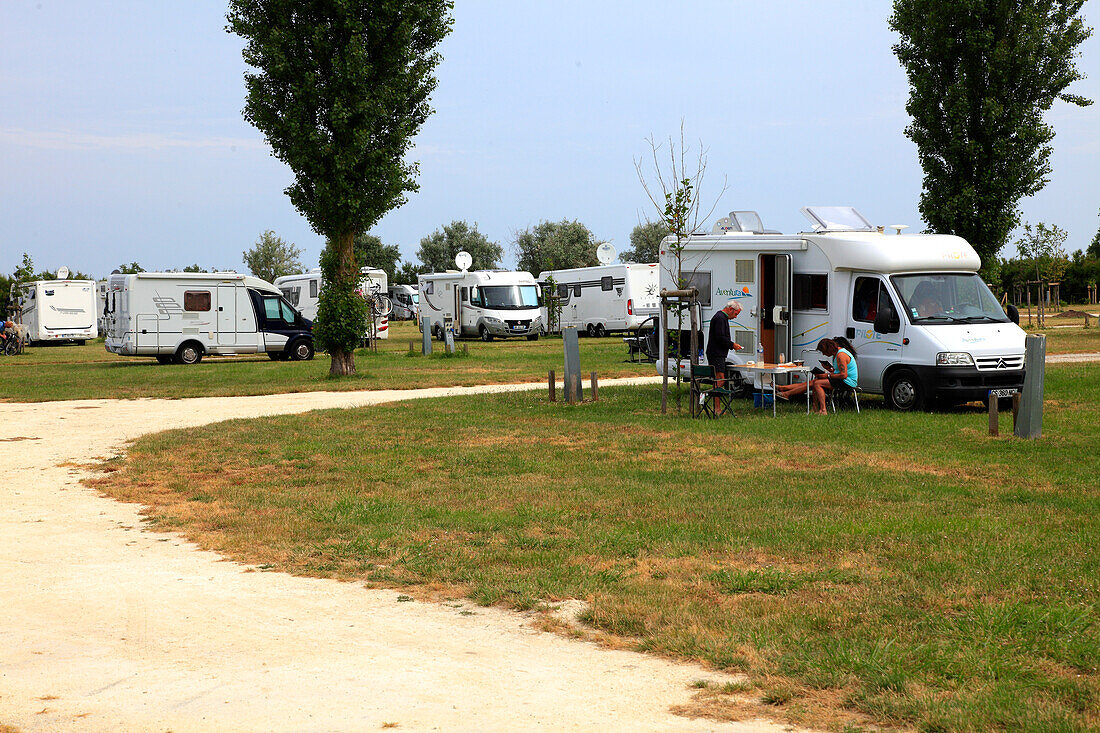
(11, 342)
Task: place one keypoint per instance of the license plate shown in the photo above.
(1003, 392)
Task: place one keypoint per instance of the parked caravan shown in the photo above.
(485, 303)
(406, 302)
(100, 301)
(606, 298)
(924, 325)
(55, 311)
(181, 317)
(302, 292)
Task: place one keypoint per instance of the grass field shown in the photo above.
(89, 371)
(883, 569)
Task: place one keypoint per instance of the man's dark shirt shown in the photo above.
(719, 342)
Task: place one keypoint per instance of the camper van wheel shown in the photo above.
(165, 358)
(533, 337)
(301, 350)
(484, 332)
(904, 391)
(79, 342)
(600, 331)
(590, 330)
(189, 353)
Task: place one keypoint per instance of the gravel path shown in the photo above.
(106, 627)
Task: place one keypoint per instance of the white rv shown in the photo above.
(302, 292)
(180, 317)
(924, 325)
(484, 303)
(605, 298)
(55, 310)
(100, 302)
(406, 302)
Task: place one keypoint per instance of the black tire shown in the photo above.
(301, 350)
(484, 333)
(277, 355)
(80, 342)
(437, 332)
(904, 391)
(590, 330)
(601, 332)
(189, 352)
(166, 359)
(533, 337)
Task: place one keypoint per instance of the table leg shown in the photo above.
(773, 395)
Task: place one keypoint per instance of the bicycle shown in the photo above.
(380, 303)
(11, 343)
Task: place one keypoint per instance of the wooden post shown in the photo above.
(595, 387)
(994, 413)
(465, 350)
(1086, 320)
(412, 348)
(552, 384)
(1015, 410)
(1030, 421)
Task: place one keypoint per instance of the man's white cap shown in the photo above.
(732, 303)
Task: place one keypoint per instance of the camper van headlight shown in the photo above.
(954, 358)
(490, 319)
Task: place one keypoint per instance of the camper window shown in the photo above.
(811, 292)
(700, 280)
(865, 300)
(576, 291)
(466, 294)
(607, 283)
(744, 271)
(312, 289)
(196, 300)
(276, 309)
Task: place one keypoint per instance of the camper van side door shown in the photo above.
(875, 350)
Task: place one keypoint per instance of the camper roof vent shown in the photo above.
(724, 225)
(836, 219)
(748, 221)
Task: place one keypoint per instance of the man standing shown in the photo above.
(719, 342)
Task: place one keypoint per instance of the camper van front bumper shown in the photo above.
(524, 327)
(966, 384)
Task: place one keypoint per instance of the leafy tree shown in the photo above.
(370, 252)
(272, 257)
(408, 274)
(645, 242)
(195, 268)
(131, 269)
(555, 245)
(1094, 246)
(982, 73)
(1043, 248)
(25, 271)
(339, 91)
(438, 250)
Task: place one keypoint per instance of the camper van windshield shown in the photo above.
(948, 298)
(507, 297)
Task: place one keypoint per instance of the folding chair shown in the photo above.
(705, 389)
(842, 394)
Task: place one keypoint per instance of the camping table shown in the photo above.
(774, 370)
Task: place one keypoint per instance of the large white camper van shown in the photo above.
(924, 325)
(180, 317)
(406, 302)
(56, 310)
(485, 303)
(605, 298)
(302, 292)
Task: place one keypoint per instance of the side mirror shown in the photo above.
(1014, 314)
(887, 321)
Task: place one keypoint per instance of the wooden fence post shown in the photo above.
(552, 384)
(595, 388)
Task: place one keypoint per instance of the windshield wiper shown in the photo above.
(944, 318)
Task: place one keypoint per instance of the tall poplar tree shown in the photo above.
(339, 89)
(982, 73)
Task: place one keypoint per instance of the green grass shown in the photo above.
(89, 371)
(884, 568)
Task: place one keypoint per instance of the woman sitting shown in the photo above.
(842, 370)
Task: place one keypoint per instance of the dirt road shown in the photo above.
(106, 627)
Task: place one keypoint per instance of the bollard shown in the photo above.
(552, 383)
(1086, 320)
(1015, 410)
(1029, 424)
(465, 351)
(595, 387)
(994, 413)
(573, 392)
(449, 341)
(426, 341)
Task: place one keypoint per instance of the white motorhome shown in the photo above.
(302, 292)
(484, 303)
(406, 302)
(55, 310)
(605, 298)
(924, 325)
(180, 317)
(100, 301)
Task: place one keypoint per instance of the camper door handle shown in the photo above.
(143, 331)
(220, 308)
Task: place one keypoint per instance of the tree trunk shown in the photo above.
(343, 362)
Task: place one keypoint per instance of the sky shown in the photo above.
(121, 135)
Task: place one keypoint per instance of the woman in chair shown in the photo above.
(842, 370)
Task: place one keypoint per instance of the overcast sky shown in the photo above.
(121, 137)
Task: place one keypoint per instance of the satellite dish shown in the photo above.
(464, 260)
(723, 225)
(605, 253)
(899, 227)
(62, 273)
